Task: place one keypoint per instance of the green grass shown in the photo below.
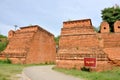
(106, 75)
(8, 71)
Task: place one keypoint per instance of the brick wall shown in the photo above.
(75, 23)
(43, 47)
(104, 27)
(111, 40)
(117, 26)
(34, 42)
(79, 37)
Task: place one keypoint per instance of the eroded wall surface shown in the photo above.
(31, 44)
(79, 40)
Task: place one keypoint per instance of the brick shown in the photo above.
(79, 38)
(34, 42)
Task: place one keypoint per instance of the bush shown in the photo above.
(3, 42)
(3, 46)
(2, 36)
(85, 69)
(8, 61)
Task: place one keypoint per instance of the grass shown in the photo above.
(106, 75)
(9, 71)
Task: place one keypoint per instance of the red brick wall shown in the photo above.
(42, 49)
(36, 43)
(77, 30)
(77, 64)
(80, 38)
(78, 41)
(111, 40)
(117, 26)
(76, 23)
(104, 27)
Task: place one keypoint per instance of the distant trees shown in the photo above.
(111, 14)
(57, 40)
(96, 28)
(2, 36)
(3, 42)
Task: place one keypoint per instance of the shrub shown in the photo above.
(85, 69)
(8, 61)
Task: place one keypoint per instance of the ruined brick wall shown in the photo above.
(31, 44)
(111, 40)
(42, 49)
(76, 23)
(78, 40)
(111, 43)
(117, 26)
(78, 37)
(104, 27)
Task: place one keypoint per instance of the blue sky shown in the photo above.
(50, 14)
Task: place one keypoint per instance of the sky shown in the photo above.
(50, 14)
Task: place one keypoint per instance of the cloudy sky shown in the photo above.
(49, 14)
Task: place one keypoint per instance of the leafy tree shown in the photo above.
(3, 45)
(96, 29)
(111, 14)
(2, 36)
(57, 40)
(3, 42)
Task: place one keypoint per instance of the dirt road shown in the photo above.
(45, 73)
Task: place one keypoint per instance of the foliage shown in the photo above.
(2, 36)
(96, 29)
(3, 42)
(111, 14)
(9, 71)
(8, 61)
(57, 40)
(106, 75)
(3, 45)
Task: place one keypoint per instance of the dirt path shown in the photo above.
(45, 73)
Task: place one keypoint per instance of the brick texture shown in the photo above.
(104, 27)
(117, 26)
(78, 40)
(31, 45)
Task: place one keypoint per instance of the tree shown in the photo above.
(96, 28)
(57, 40)
(3, 42)
(111, 14)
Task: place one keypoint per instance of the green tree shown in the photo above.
(3, 42)
(96, 28)
(111, 14)
(57, 40)
(2, 36)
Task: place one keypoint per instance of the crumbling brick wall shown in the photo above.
(104, 27)
(111, 43)
(79, 37)
(117, 26)
(31, 44)
(44, 48)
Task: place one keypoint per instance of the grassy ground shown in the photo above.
(106, 75)
(9, 71)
